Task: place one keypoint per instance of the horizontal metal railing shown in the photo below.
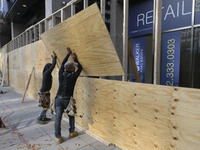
(32, 34)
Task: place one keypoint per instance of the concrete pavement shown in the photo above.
(22, 132)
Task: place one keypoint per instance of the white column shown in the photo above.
(48, 8)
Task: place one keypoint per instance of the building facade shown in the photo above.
(180, 44)
(178, 56)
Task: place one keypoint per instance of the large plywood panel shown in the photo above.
(130, 115)
(86, 34)
(185, 118)
(42, 56)
(4, 64)
(22, 61)
(140, 116)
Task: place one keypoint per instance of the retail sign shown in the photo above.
(139, 45)
(141, 18)
(175, 14)
(170, 58)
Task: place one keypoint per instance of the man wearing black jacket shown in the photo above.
(45, 90)
(67, 81)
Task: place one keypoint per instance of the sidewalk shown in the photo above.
(22, 129)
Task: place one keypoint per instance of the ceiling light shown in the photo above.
(18, 13)
(24, 5)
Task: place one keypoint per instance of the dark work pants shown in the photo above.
(60, 105)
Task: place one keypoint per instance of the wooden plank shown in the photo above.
(86, 34)
(133, 62)
(27, 84)
(139, 116)
(184, 117)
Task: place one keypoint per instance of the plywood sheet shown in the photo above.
(131, 115)
(140, 116)
(4, 64)
(86, 34)
(22, 61)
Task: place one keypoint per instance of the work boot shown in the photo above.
(46, 119)
(41, 121)
(59, 140)
(73, 134)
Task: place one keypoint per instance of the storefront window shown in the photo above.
(141, 48)
(196, 58)
(185, 59)
(180, 61)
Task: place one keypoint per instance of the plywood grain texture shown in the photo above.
(22, 61)
(140, 116)
(133, 116)
(86, 34)
(4, 64)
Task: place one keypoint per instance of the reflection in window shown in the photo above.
(184, 77)
(196, 55)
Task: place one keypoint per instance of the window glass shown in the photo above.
(78, 6)
(141, 48)
(196, 82)
(185, 59)
(197, 12)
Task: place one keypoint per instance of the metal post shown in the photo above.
(53, 20)
(85, 4)
(30, 35)
(13, 46)
(27, 38)
(12, 30)
(46, 25)
(157, 40)
(62, 15)
(125, 38)
(40, 29)
(103, 9)
(72, 9)
(23, 39)
(17, 41)
(192, 61)
(20, 41)
(35, 33)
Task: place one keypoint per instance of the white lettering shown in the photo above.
(178, 9)
(141, 60)
(140, 19)
(137, 57)
(169, 12)
(149, 17)
(183, 9)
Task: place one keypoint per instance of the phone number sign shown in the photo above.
(171, 58)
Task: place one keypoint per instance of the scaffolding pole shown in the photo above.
(125, 38)
(157, 40)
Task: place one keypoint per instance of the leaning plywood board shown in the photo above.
(86, 34)
(140, 116)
